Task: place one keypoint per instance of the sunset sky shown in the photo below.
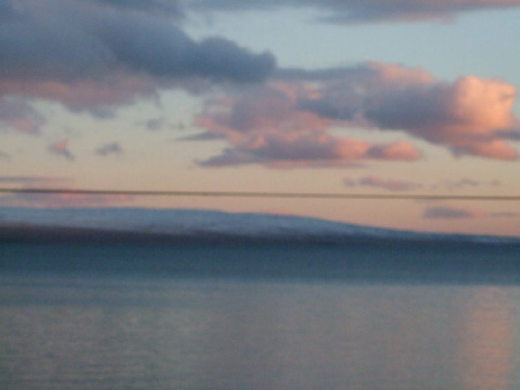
(332, 96)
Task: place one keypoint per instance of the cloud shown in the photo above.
(17, 114)
(32, 180)
(465, 183)
(513, 135)
(445, 212)
(356, 11)
(4, 156)
(61, 148)
(448, 212)
(169, 8)
(290, 117)
(156, 124)
(397, 151)
(506, 214)
(109, 149)
(97, 55)
(264, 125)
(304, 149)
(56, 200)
(469, 116)
(405, 185)
(203, 136)
(63, 200)
(386, 184)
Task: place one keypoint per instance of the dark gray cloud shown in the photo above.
(87, 55)
(203, 136)
(71, 40)
(157, 124)
(231, 157)
(355, 11)
(109, 149)
(170, 8)
(161, 50)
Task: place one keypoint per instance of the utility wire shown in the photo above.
(240, 194)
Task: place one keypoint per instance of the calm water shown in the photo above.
(80, 331)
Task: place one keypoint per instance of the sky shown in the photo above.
(322, 96)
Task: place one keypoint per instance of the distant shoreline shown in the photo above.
(25, 233)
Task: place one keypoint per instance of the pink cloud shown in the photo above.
(271, 108)
(470, 116)
(495, 149)
(63, 200)
(99, 97)
(397, 151)
(264, 125)
(305, 149)
(54, 200)
(447, 212)
(287, 121)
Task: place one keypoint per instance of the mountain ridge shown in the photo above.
(196, 224)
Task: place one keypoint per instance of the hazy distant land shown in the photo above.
(184, 243)
(180, 225)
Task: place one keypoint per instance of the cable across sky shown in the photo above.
(246, 194)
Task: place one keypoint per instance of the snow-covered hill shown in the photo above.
(202, 223)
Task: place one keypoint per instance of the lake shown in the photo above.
(258, 317)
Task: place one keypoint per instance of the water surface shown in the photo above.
(86, 329)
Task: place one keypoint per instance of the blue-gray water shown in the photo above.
(110, 317)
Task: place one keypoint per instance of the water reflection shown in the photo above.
(488, 340)
(308, 336)
(214, 334)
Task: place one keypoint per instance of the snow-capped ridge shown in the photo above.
(203, 223)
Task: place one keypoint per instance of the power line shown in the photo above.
(244, 194)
